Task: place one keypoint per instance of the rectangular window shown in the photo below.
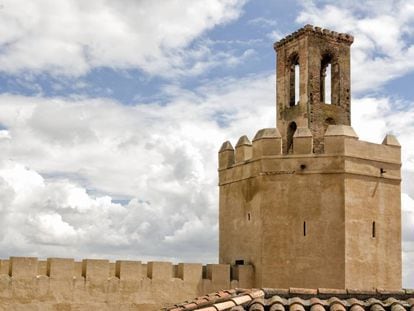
(373, 229)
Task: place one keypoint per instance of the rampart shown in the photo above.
(27, 283)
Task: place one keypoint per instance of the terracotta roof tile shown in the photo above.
(224, 305)
(256, 307)
(356, 307)
(256, 293)
(317, 307)
(301, 300)
(296, 306)
(241, 299)
(277, 307)
(309, 291)
(332, 291)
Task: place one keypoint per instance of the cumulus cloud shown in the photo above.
(98, 178)
(383, 48)
(70, 37)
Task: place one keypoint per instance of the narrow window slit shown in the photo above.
(248, 216)
(373, 229)
(304, 228)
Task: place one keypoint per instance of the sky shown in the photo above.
(112, 113)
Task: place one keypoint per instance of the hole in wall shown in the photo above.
(248, 216)
(304, 228)
(373, 229)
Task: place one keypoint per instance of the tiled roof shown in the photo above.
(298, 299)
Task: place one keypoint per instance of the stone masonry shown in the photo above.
(307, 203)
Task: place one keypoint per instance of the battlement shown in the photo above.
(339, 141)
(310, 29)
(281, 211)
(28, 280)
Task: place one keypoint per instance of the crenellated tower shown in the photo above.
(307, 203)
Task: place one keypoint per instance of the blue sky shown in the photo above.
(112, 112)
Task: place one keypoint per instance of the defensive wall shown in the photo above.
(62, 284)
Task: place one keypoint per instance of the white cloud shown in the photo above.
(65, 161)
(70, 37)
(382, 49)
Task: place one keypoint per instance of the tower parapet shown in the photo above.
(310, 220)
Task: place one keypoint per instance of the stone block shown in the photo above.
(4, 266)
(190, 272)
(391, 140)
(160, 270)
(42, 267)
(335, 137)
(78, 269)
(267, 142)
(219, 274)
(243, 149)
(23, 267)
(128, 270)
(302, 141)
(226, 155)
(60, 268)
(244, 274)
(95, 269)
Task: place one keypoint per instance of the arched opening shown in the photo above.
(328, 121)
(289, 140)
(326, 79)
(294, 80)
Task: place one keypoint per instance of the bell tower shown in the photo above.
(307, 203)
(313, 83)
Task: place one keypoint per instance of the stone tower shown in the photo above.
(312, 52)
(307, 203)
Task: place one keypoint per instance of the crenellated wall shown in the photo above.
(27, 283)
(309, 219)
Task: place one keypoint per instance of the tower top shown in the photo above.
(318, 31)
(313, 83)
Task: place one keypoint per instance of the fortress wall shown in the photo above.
(27, 283)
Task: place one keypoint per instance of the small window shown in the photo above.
(304, 228)
(373, 229)
(248, 216)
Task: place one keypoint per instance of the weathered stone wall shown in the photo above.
(27, 283)
(306, 219)
(311, 48)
